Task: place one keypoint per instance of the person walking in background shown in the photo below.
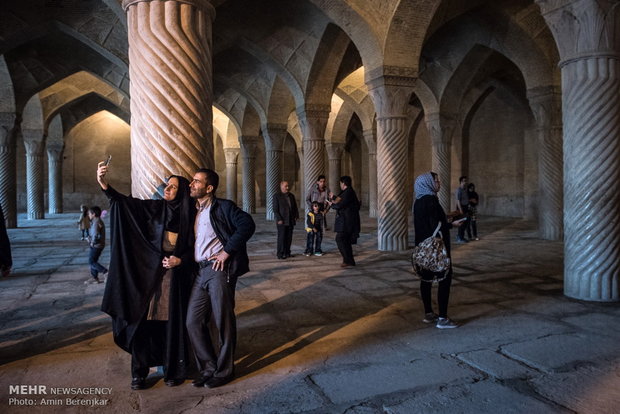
(314, 228)
(6, 260)
(347, 223)
(472, 209)
(96, 240)
(427, 214)
(462, 206)
(84, 222)
(286, 213)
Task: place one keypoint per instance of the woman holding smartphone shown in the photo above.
(150, 278)
(427, 214)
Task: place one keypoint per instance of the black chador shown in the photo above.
(139, 289)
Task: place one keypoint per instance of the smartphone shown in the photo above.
(107, 161)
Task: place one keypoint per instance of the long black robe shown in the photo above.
(135, 272)
(6, 260)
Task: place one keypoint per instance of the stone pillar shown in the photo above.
(371, 143)
(391, 94)
(54, 176)
(334, 154)
(8, 184)
(585, 32)
(313, 120)
(33, 140)
(440, 129)
(248, 156)
(274, 135)
(546, 106)
(171, 89)
(231, 155)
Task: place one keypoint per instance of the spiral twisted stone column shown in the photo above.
(231, 155)
(33, 140)
(313, 120)
(8, 186)
(546, 107)
(54, 177)
(274, 141)
(334, 155)
(248, 155)
(391, 95)
(371, 143)
(171, 89)
(440, 130)
(585, 32)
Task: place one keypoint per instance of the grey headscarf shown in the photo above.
(424, 185)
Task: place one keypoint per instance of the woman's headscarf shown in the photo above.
(180, 213)
(424, 185)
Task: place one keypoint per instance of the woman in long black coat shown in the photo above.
(150, 278)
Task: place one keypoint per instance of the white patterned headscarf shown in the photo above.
(424, 185)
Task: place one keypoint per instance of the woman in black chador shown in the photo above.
(150, 278)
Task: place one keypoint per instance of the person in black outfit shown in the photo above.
(6, 260)
(286, 213)
(427, 213)
(472, 212)
(347, 222)
(150, 278)
(222, 231)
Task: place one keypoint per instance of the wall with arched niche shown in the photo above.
(86, 144)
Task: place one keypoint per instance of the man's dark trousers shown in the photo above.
(285, 238)
(343, 240)
(213, 295)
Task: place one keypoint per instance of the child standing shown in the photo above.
(96, 240)
(84, 222)
(314, 227)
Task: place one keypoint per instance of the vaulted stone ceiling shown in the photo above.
(279, 55)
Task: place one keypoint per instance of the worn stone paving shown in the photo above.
(314, 338)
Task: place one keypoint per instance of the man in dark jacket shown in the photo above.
(286, 213)
(222, 230)
(347, 223)
(6, 261)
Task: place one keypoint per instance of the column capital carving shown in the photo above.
(371, 140)
(204, 5)
(248, 146)
(7, 123)
(546, 105)
(55, 150)
(391, 95)
(440, 127)
(32, 135)
(231, 155)
(34, 147)
(582, 28)
(313, 120)
(335, 150)
(275, 135)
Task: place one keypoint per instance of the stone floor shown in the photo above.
(317, 339)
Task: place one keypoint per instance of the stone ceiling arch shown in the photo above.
(74, 86)
(54, 131)
(7, 96)
(354, 92)
(281, 103)
(86, 106)
(339, 123)
(32, 115)
(427, 98)
(228, 128)
(448, 47)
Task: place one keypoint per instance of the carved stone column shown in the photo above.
(171, 89)
(546, 106)
(248, 156)
(8, 185)
(33, 140)
(274, 135)
(371, 143)
(391, 95)
(231, 155)
(440, 129)
(54, 176)
(585, 32)
(334, 155)
(313, 120)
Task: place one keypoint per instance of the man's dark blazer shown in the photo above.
(281, 208)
